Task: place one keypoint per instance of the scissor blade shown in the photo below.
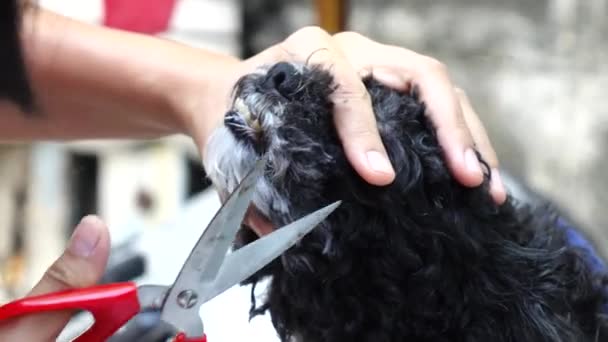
(181, 310)
(244, 262)
(208, 254)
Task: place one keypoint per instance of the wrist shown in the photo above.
(203, 94)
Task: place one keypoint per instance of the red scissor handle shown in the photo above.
(111, 305)
(181, 337)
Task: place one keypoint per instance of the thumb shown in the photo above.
(81, 265)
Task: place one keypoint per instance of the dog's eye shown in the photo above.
(238, 126)
(232, 119)
(244, 132)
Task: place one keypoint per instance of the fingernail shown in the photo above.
(379, 162)
(470, 159)
(86, 236)
(497, 185)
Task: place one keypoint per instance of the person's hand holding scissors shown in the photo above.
(81, 265)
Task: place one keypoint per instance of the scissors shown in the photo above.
(207, 272)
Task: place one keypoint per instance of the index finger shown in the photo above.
(353, 115)
(355, 120)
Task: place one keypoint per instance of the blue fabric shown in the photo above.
(576, 239)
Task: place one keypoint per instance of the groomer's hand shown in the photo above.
(351, 56)
(81, 265)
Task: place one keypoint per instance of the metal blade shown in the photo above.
(244, 262)
(209, 252)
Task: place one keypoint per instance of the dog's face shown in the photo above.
(284, 112)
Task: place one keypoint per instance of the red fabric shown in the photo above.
(143, 16)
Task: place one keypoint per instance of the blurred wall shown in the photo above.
(536, 73)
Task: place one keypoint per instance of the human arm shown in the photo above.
(96, 82)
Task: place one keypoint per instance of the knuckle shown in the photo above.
(348, 35)
(350, 88)
(463, 98)
(358, 128)
(435, 65)
(460, 92)
(62, 275)
(361, 132)
(345, 94)
(308, 32)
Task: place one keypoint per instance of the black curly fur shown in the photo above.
(422, 259)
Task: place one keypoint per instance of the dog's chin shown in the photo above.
(226, 164)
(254, 219)
(258, 222)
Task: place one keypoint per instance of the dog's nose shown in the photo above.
(280, 78)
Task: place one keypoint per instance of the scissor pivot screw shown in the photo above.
(187, 299)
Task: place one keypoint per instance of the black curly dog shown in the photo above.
(422, 259)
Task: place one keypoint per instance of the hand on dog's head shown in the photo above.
(421, 259)
(285, 113)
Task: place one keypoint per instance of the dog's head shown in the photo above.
(281, 112)
(285, 113)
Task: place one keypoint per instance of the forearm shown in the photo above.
(95, 82)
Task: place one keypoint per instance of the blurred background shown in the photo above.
(535, 71)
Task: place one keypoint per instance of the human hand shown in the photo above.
(351, 56)
(81, 265)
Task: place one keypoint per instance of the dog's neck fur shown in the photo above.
(422, 259)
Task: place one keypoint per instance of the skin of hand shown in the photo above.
(81, 265)
(351, 56)
(96, 82)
